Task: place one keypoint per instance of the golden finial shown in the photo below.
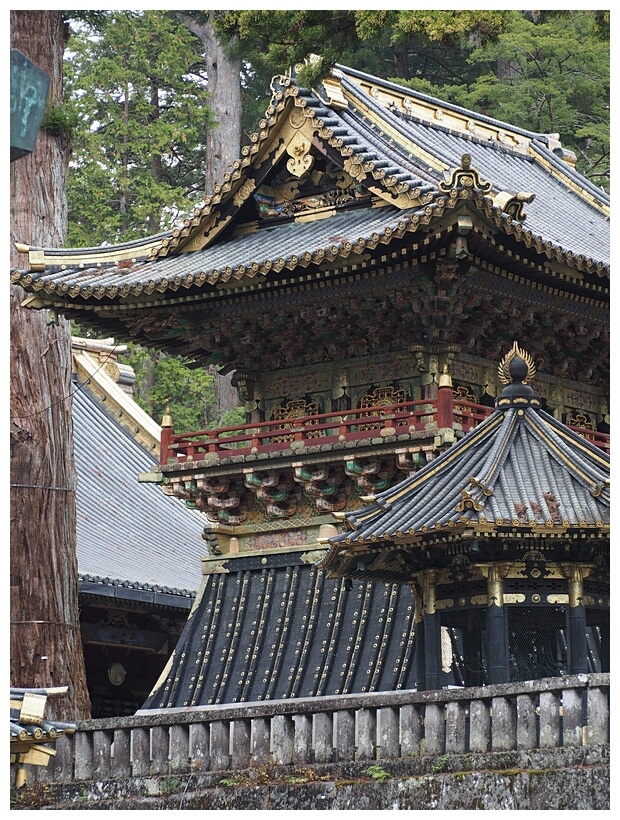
(167, 419)
(445, 379)
(504, 370)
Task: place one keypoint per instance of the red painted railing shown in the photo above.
(329, 428)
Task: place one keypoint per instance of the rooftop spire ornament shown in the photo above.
(514, 370)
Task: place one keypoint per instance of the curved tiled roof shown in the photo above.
(520, 468)
(399, 153)
(129, 534)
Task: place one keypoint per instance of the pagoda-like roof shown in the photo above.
(402, 148)
(518, 473)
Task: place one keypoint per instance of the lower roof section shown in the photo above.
(283, 630)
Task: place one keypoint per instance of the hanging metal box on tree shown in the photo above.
(29, 88)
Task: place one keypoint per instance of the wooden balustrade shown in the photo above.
(351, 425)
(550, 713)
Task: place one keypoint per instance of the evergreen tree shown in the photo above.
(140, 95)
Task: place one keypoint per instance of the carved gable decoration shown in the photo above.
(464, 177)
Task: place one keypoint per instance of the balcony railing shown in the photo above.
(359, 425)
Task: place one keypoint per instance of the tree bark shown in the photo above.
(45, 644)
(224, 85)
(223, 141)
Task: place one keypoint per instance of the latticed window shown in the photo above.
(380, 397)
(537, 642)
(296, 409)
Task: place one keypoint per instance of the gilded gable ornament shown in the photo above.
(300, 160)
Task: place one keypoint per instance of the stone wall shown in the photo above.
(492, 741)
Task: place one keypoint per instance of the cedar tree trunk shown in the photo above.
(223, 141)
(46, 649)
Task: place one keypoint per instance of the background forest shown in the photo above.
(158, 105)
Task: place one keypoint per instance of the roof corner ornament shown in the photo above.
(333, 92)
(464, 177)
(512, 204)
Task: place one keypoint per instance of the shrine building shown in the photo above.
(396, 512)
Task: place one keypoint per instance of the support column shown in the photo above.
(576, 621)
(432, 632)
(418, 653)
(497, 638)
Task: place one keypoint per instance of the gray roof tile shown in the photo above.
(127, 530)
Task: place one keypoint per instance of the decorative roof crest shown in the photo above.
(465, 177)
(508, 373)
(514, 369)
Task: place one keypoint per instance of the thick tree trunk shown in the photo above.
(46, 649)
(223, 140)
(224, 84)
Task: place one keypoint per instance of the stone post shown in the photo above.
(121, 762)
(345, 735)
(199, 746)
(141, 752)
(389, 731)
(527, 732)
(410, 730)
(598, 717)
(302, 749)
(549, 720)
(260, 741)
(323, 728)
(241, 744)
(455, 727)
(282, 739)
(83, 755)
(366, 734)
(434, 729)
(160, 741)
(503, 725)
(179, 748)
(219, 745)
(479, 726)
(572, 720)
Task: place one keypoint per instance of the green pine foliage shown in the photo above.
(136, 82)
(164, 381)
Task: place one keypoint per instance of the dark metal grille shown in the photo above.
(537, 642)
(597, 640)
(464, 660)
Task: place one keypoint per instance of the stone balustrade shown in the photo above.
(571, 711)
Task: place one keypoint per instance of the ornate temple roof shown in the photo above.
(401, 147)
(518, 472)
(132, 540)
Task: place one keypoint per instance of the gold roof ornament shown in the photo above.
(506, 376)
